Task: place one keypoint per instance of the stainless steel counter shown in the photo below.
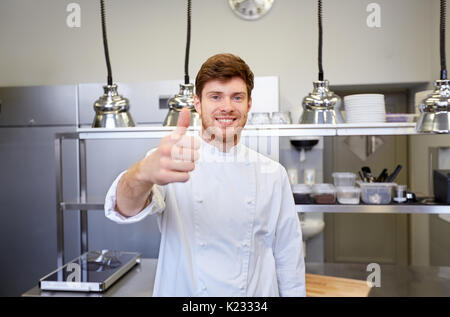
(138, 282)
(395, 280)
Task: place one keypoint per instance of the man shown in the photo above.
(226, 213)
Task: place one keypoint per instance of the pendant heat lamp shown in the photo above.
(434, 117)
(111, 109)
(322, 105)
(185, 97)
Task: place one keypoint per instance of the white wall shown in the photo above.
(147, 42)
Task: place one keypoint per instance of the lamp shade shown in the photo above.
(434, 117)
(322, 106)
(184, 99)
(111, 110)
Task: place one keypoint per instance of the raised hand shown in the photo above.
(175, 156)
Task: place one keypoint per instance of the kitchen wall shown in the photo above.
(147, 42)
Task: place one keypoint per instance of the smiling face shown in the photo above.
(223, 107)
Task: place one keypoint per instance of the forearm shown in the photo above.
(133, 193)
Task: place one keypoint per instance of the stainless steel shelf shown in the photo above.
(376, 209)
(82, 206)
(311, 208)
(273, 130)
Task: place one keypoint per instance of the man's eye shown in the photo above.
(215, 97)
(238, 98)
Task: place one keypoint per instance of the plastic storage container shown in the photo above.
(376, 193)
(302, 194)
(400, 194)
(344, 179)
(323, 194)
(348, 195)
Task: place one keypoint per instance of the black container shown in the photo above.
(301, 199)
(302, 194)
(441, 186)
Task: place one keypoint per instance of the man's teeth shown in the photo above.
(225, 120)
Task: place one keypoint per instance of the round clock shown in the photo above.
(250, 9)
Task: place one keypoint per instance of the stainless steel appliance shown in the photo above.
(321, 106)
(93, 271)
(435, 109)
(185, 97)
(111, 109)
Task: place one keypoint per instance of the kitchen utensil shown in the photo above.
(382, 176)
(368, 174)
(361, 176)
(366, 169)
(391, 177)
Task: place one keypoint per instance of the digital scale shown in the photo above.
(93, 271)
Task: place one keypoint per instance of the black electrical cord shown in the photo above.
(188, 43)
(105, 43)
(320, 39)
(442, 40)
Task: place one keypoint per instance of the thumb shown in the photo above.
(184, 119)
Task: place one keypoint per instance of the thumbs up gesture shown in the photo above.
(175, 156)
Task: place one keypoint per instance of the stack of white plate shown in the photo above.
(365, 108)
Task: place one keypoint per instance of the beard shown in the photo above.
(225, 135)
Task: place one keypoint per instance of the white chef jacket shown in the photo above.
(230, 230)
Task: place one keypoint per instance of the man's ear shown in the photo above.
(197, 104)
(249, 104)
